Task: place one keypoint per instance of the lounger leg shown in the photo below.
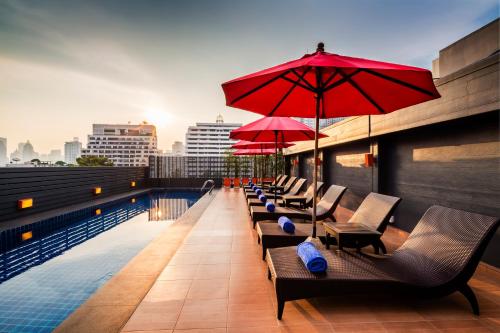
(258, 239)
(327, 239)
(382, 246)
(471, 297)
(281, 307)
(264, 249)
(268, 274)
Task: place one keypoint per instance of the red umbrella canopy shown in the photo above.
(248, 152)
(270, 129)
(260, 145)
(346, 86)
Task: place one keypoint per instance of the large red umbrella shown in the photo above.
(243, 144)
(248, 152)
(278, 129)
(326, 85)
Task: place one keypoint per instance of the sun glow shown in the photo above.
(157, 117)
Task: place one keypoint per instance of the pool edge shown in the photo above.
(110, 307)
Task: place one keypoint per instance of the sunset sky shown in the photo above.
(67, 64)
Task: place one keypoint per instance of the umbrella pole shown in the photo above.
(315, 173)
(275, 165)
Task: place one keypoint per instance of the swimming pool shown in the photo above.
(65, 259)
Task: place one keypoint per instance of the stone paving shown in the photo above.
(217, 282)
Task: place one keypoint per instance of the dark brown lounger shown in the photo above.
(308, 195)
(324, 209)
(374, 212)
(438, 258)
(281, 179)
(293, 191)
(287, 188)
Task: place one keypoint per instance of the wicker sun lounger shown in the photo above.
(324, 209)
(281, 179)
(286, 189)
(307, 197)
(438, 258)
(293, 191)
(374, 212)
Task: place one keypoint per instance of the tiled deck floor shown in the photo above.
(217, 282)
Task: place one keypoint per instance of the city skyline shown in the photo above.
(69, 65)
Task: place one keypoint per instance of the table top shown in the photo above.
(350, 228)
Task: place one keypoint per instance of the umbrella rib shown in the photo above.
(297, 83)
(306, 133)
(332, 76)
(362, 92)
(400, 82)
(311, 87)
(343, 80)
(259, 87)
(287, 93)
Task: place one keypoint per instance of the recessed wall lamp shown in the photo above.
(97, 190)
(25, 203)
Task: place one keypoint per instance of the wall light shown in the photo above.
(98, 211)
(97, 190)
(369, 160)
(132, 183)
(25, 203)
(26, 235)
(132, 200)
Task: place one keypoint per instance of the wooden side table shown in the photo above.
(355, 235)
(300, 199)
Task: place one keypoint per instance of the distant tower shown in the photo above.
(219, 119)
(28, 151)
(3, 152)
(72, 150)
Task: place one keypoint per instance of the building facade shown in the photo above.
(125, 145)
(72, 150)
(322, 122)
(3, 152)
(178, 148)
(209, 139)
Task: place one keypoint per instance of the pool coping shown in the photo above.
(110, 307)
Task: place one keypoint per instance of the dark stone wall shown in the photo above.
(454, 164)
(344, 165)
(53, 188)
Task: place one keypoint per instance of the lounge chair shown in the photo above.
(236, 182)
(324, 208)
(307, 197)
(293, 191)
(374, 212)
(286, 188)
(438, 258)
(281, 179)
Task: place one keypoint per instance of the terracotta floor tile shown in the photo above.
(255, 329)
(168, 290)
(358, 328)
(209, 289)
(217, 271)
(181, 272)
(215, 258)
(202, 330)
(307, 328)
(180, 259)
(154, 316)
(409, 327)
(249, 318)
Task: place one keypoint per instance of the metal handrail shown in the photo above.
(212, 185)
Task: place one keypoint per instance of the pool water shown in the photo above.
(44, 279)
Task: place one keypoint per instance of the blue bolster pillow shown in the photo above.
(270, 207)
(250, 183)
(259, 191)
(286, 224)
(311, 257)
(254, 187)
(262, 198)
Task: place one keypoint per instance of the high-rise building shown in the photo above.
(125, 145)
(55, 155)
(3, 152)
(178, 148)
(209, 139)
(72, 150)
(322, 122)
